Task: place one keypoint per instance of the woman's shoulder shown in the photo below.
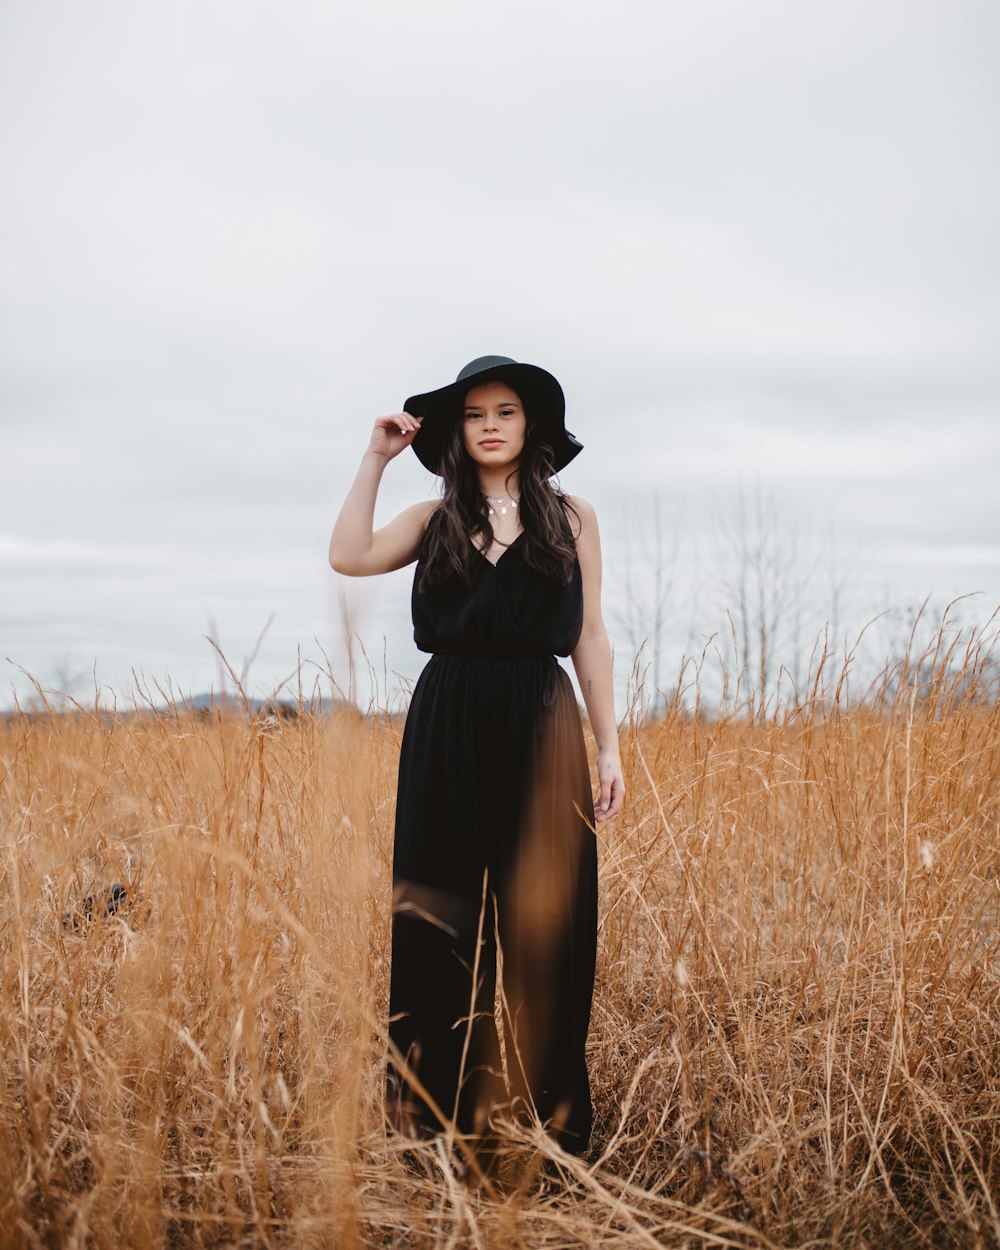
(581, 513)
(428, 507)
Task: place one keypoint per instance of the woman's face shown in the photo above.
(494, 425)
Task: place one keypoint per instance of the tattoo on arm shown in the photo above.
(590, 686)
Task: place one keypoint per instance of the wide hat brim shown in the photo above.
(540, 392)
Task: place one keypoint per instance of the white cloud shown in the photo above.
(754, 242)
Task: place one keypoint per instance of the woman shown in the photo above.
(494, 859)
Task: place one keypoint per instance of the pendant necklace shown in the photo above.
(499, 499)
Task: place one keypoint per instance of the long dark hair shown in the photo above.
(547, 544)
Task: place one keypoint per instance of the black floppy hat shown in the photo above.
(541, 393)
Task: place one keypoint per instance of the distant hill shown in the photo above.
(203, 704)
(206, 701)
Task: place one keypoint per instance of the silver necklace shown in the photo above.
(499, 499)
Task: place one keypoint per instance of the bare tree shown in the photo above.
(938, 653)
(68, 680)
(767, 580)
(640, 609)
(768, 584)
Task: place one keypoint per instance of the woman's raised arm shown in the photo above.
(354, 549)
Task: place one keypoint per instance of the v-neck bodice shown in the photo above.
(509, 608)
(514, 541)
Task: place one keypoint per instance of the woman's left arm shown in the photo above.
(592, 660)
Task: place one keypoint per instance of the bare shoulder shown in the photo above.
(585, 521)
(414, 518)
(392, 547)
(425, 510)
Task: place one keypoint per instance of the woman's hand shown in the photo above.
(392, 434)
(612, 795)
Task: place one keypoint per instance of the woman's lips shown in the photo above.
(491, 442)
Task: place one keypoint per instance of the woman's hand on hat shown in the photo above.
(393, 433)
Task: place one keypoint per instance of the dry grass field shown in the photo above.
(796, 1028)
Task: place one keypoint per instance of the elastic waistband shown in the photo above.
(545, 666)
(494, 654)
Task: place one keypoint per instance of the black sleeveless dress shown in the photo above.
(492, 843)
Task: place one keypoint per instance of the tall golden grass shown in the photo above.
(796, 1028)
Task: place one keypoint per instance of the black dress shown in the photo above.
(492, 840)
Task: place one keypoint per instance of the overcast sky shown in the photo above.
(756, 242)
